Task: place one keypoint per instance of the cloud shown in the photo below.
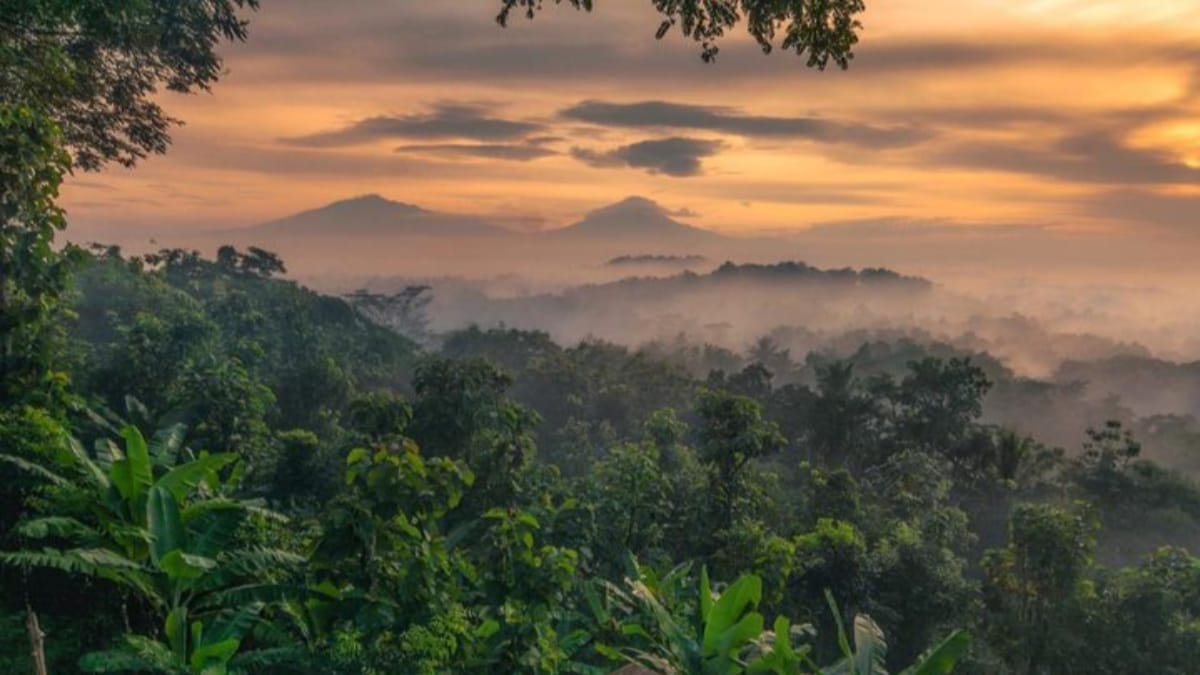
(1086, 157)
(904, 227)
(1146, 207)
(517, 152)
(683, 212)
(447, 120)
(780, 192)
(664, 114)
(676, 156)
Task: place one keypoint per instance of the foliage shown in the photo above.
(34, 274)
(823, 30)
(94, 68)
(724, 634)
(404, 312)
(168, 541)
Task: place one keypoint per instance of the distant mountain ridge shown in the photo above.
(633, 221)
(634, 218)
(374, 215)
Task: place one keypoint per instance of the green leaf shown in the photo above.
(167, 441)
(165, 524)
(233, 626)
(113, 661)
(706, 599)
(139, 458)
(870, 649)
(843, 641)
(730, 622)
(35, 469)
(133, 475)
(154, 652)
(487, 629)
(183, 479)
(208, 657)
(180, 565)
(52, 526)
(781, 658)
(176, 631)
(136, 407)
(77, 560)
(93, 470)
(259, 560)
(211, 525)
(941, 659)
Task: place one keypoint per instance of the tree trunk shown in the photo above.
(37, 649)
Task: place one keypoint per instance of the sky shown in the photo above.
(1077, 116)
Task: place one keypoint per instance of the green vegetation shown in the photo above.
(319, 494)
(819, 30)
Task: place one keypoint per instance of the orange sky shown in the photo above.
(1074, 114)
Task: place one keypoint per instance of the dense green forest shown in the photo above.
(209, 468)
(237, 472)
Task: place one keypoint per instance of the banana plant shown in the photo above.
(722, 634)
(727, 636)
(867, 654)
(170, 540)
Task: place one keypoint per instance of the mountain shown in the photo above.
(635, 218)
(373, 215)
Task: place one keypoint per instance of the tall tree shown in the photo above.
(94, 68)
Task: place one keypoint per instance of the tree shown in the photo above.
(33, 275)
(937, 403)
(840, 417)
(1036, 586)
(94, 68)
(254, 262)
(630, 500)
(403, 312)
(824, 30)
(732, 433)
(767, 353)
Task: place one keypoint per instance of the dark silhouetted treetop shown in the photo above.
(655, 259)
(822, 30)
(95, 67)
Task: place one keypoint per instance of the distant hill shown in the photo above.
(712, 306)
(651, 260)
(373, 215)
(634, 219)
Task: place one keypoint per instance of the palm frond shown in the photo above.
(34, 469)
(74, 561)
(52, 526)
(256, 660)
(251, 594)
(113, 661)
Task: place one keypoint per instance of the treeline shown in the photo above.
(235, 474)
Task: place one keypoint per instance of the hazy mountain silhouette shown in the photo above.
(373, 215)
(634, 218)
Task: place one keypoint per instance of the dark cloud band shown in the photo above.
(676, 156)
(664, 114)
(446, 121)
